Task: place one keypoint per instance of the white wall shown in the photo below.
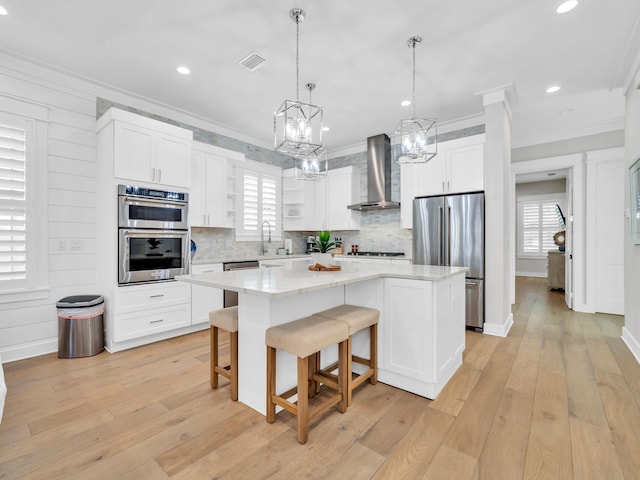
(536, 267)
(631, 330)
(30, 328)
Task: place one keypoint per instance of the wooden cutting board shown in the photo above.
(321, 268)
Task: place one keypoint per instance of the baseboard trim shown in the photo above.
(531, 274)
(499, 330)
(28, 350)
(632, 343)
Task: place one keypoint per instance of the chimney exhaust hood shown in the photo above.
(378, 175)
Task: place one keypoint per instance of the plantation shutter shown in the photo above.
(13, 204)
(539, 223)
(251, 203)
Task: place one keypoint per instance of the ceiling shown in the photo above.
(356, 53)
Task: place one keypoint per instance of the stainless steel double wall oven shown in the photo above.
(153, 234)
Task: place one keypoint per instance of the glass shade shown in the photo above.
(418, 140)
(312, 167)
(297, 128)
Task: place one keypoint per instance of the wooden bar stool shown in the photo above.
(304, 338)
(225, 319)
(357, 318)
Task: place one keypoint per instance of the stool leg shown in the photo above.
(344, 373)
(214, 356)
(233, 345)
(303, 399)
(348, 374)
(373, 340)
(271, 384)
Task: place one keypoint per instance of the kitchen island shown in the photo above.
(421, 330)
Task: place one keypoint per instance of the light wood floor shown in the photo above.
(559, 398)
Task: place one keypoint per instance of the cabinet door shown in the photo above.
(134, 150)
(430, 177)
(408, 329)
(214, 179)
(466, 169)
(407, 193)
(340, 194)
(173, 161)
(197, 214)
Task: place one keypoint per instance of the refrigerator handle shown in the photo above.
(448, 236)
(441, 235)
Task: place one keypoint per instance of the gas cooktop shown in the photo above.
(377, 254)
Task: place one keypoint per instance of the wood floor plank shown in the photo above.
(451, 464)
(623, 415)
(549, 446)
(594, 456)
(413, 454)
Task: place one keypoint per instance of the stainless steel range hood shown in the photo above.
(378, 175)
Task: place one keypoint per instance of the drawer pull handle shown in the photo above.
(157, 321)
(157, 296)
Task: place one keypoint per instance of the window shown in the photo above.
(537, 224)
(23, 252)
(13, 204)
(261, 193)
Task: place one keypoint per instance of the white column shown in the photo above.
(497, 186)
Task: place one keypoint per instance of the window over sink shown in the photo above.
(261, 193)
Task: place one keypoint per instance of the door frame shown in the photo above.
(575, 278)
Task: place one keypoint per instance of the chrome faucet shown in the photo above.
(263, 250)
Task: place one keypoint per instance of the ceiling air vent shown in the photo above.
(252, 61)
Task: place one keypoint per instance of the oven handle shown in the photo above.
(163, 201)
(155, 233)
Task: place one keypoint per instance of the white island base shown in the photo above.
(421, 332)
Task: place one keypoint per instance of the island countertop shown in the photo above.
(281, 281)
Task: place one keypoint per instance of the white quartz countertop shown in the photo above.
(295, 279)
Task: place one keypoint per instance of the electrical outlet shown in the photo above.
(61, 245)
(213, 243)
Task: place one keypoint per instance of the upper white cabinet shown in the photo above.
(458, 167)
(147, 150)
(322, 204)
(212, 200)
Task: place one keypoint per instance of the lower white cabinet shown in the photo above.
(205, 299)
(143, 310)
(423, 333)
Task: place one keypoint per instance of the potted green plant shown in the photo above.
(324, 245)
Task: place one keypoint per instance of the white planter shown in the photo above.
(324, 259)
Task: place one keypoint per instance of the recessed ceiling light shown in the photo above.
(3, 11)
(325, 128)
(183, 70)
(567, 6)
(553, 89)
(405, 103)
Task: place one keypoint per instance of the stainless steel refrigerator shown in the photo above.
(449, 230)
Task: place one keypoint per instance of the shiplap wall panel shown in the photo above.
(30, 328)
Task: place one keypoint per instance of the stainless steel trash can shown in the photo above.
(80, 326)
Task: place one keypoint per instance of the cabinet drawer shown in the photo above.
(142, 324)
(134, 298)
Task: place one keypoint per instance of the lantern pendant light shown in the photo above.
(418, 136)
(297, 126)
(316, 165)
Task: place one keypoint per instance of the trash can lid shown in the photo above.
(80, 301)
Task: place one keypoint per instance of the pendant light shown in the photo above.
(297, 126)
(316, 165)
(418, 136)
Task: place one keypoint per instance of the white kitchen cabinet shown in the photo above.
(457, 168)
(143, 310)
(213, 189)
(322, 204)
(423, 333)
(342, 189)
(205, 299)
(146, 150)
